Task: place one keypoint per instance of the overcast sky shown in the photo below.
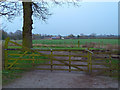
(89, 17)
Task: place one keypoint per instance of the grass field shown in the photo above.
(68, 43)
(75, 41)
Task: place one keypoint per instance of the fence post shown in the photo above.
(110, 65)
(6, 53)
(33, 57)
(78, 43)
(69, 61)
(51, 60)
(3, 56)
(88, 60)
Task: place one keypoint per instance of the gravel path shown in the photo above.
(62, 79)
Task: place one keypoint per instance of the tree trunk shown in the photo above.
(27, 24)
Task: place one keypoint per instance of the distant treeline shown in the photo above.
(18, 36)
(13, 36)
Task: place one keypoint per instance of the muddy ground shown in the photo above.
(40, 79)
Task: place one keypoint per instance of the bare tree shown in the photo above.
(37, 9)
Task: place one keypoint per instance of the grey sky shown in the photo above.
(90, 17)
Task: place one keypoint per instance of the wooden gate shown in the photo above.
(90, 61)
(25, 58)
(105, 62)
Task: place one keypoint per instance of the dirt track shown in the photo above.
(39, 79)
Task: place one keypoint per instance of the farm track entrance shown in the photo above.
(88, 61)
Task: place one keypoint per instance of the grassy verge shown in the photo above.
(114, 65)
(11, 74)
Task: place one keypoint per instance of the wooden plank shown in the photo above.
(45, 64)
(28, 59)
(99, 63)
(79, 60)
(6, 53)
(60, 50)
(27, 55)
(100, 68)
(14, 49)
(46, 69)
(46, 55)
(71, 55)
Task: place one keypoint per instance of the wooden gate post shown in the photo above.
(69, 61)
(3, 56)
(6, 52)
(90, 62)
(51, 60)
(33, 57)
(110, 61)
(88, 57)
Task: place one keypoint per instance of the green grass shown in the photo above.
(114, 65)
(74, 41)
(10, 75)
